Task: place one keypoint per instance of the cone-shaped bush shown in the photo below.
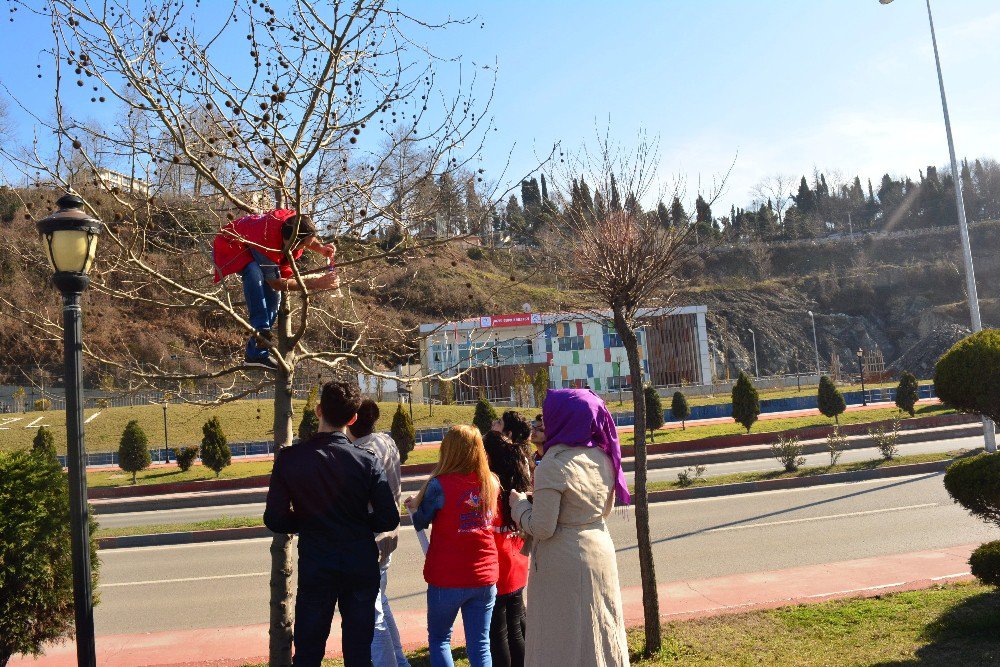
(133, 449)
(831, 401)
(746, 402)
(215, 452)
(907, 393)
(485, 416)
(403, 433)
(44, 443)
(679, 408)
(654, 410)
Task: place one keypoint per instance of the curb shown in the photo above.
(679, 447)
(719, 490)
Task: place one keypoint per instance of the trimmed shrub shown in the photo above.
(985, 563)
(446, 392)
(36, 606)
(654, 410)
(788, 452)
(403, 433)
(485, 416)
(746, 402)
(967, 377)
(680, 409)
(42, 405)
(133, 449)
(831, 401)
(310, 422)
(215, 452)
(541, 385)
(475, 254)
(974, 483)
(907, 393)
(186, 457)
(44, 443)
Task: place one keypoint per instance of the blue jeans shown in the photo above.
(387, 650)
(477, 610)
(262, 304)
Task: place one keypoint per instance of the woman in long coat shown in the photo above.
(574, 600)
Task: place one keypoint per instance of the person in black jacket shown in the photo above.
(336, 497)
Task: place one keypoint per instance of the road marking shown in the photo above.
(32, 424)
(186, 579)
(168, 547)
(91, 417)
(9, 420)
(821, 518)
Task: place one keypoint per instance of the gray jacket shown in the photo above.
(386, 451)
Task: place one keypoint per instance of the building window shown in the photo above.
(619, 382)
(570, 343)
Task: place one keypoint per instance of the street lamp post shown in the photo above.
(756, 370)
(69, 237)
(815, 343)
(861, 366)
(166, 440)
(989, 430)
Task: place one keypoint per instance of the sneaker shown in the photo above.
(267, 364)
(264, 339)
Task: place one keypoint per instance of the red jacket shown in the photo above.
(262, 232)
(463, 553)
(513, 564)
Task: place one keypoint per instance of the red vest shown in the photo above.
(262, 232)
(513, 564)
(463, 553)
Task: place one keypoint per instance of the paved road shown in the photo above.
(224, 584)
(661, 474)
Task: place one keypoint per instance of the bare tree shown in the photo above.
(626, 261)
(328, 94)
(776, 189)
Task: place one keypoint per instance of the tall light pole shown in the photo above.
(166, 440)
(756, 370)
(989, 431)
(69, 237)
(861, 367)
(815, 343)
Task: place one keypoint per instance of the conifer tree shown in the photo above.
(680, 409)
(831, 401)
(310, 422)
(403, 433)
(746, 402)
(907, 393)
(678, 216)
(616, 200)
(446, 392)
(541, 385)
(215, 452)
(485, 416)
(133, 449)
(654, 410)
(44, 443)
(663, 214)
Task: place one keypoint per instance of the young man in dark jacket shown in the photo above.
(335, 495)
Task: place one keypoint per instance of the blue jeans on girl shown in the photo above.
(262, 300)
(443, 605)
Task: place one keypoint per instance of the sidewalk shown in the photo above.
(864, 577)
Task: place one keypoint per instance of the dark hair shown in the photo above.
(368, 414)
(305, 224)
(509, 461)
(515, 424)
(339, 402)
(538, 417)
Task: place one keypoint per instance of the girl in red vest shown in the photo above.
(507, 449)
(461, 569)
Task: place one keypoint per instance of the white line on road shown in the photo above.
(225, 544)
(821, 518)
(33, 424)
(179, 581)
(91, 417)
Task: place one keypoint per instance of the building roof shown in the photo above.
(537, 319)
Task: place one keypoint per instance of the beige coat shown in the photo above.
(574, 601)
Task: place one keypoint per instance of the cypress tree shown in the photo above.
(746, 402)
(485, 416)
(310, 422)
(403, 433)
(133, 449)
(663, 214)
(541, 385)
(616, 199)
(831, 401)
(446, 392)
(678, 216)
(215, 452)
(44, 443)
(654, 410)
(907, 393)
(680, 409)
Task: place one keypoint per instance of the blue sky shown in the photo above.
(846, 86)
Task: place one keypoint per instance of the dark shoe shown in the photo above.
(267, 364)
(264, 339)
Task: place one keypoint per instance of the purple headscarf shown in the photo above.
(579, 418)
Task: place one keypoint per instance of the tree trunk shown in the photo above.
(647, 568)
(281, 604)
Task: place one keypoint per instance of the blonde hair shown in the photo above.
(462, 452)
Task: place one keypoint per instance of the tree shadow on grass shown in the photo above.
(967, 635)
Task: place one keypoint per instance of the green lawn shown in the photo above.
(779, 472)
(945, 626)
(784, 424)
(251, 420)
(155, 529)
(171, 473)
